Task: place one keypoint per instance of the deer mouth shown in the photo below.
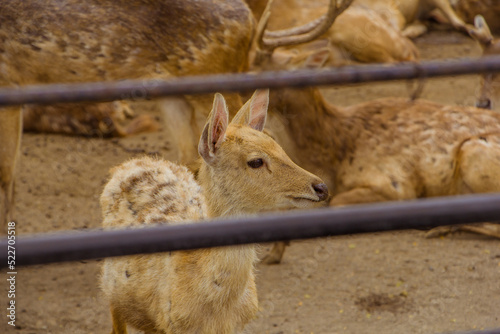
(303, 198)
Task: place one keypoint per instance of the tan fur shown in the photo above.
(369, 30)
(73, 41)
(413, 11)
(391, 148)
(208, 291)
(86, 119)
(360, 32)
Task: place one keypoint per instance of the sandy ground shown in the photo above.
(373, 283)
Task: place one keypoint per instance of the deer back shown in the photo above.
(72, 41)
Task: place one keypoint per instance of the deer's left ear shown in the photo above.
(254, 112)
(215, 130)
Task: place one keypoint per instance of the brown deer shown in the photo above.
(388, 149)
(369, 30)
(408, 14)
(359, 33)
(73, 41)
(385, 149)
(243, 171)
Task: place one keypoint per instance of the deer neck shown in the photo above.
(230, 268)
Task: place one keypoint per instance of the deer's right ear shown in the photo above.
(254, 111)
(215, 130)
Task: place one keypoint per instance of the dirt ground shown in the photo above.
(374, 283)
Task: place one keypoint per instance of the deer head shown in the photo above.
(245, 168)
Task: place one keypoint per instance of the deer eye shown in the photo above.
(256, 163)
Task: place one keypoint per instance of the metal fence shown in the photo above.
(419, 214)
(416, 214)
(147, 89)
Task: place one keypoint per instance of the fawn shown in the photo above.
(212, 291)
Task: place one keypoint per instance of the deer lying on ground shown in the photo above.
(489, 94)
(86, 119)
(369, 30)
(359, 33)
(386, 149)
(212, 291)
(406, 15)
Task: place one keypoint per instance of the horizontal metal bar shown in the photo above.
(147, 89)
(485, 331)
(416, 214)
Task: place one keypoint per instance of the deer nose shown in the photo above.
(484, 104)
(321, 190)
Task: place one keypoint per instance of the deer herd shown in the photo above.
(382, 150)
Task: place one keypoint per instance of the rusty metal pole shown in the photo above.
(416, 214)
(148, 89)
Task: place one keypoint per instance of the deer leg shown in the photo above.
(358, 196)
(414, 30)
(276, 253)
(478, 171)
(10, 139)
(179, 117)
(119, 326)
(355, 196)
(449, 13)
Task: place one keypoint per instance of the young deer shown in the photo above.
(210, 291)
(489, 96)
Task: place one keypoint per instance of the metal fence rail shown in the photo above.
(419, 214)
(146, 89)
(486, 331)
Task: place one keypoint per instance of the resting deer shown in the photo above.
(359, 32)
(489, 96)
(212, 291)
(386, 149)
(407, 14)
(369, 30)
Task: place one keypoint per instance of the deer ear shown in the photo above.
(317, 59)
(215, 130)
(254, 111)
(482, 32)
